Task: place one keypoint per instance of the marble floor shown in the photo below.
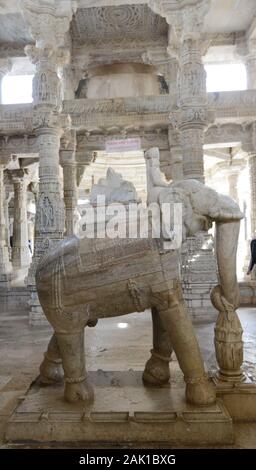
(119, 343)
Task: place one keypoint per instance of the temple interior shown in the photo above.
(87, 86)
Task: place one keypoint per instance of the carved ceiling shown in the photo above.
(132, 22)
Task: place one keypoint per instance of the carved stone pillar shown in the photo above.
(48, 25)
(252, 173)
(68, 163)
(20, 251)
(5, 67)
(49, 222)
(7, 222)
(5, 265)
(192, 102)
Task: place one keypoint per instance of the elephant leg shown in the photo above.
(51, 368)
(157, 370)
(199, 390)
(73, 355)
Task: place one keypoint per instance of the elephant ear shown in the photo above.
(184, 212)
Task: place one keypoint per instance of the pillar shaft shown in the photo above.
(70, 196)
(252, 172)
(193, 105)
(49, 222)
(20, 250)
(5, 266)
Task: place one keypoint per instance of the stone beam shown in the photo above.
(124, 113)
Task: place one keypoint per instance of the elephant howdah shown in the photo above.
(86, 279)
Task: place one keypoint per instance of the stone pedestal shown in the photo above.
(124, 412)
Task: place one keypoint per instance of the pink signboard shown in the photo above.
(124, 145)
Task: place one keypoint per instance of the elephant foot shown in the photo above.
(156, 370)
(51, 371)
(200, 391)
(76, 390)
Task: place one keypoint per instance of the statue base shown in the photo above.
(239, 398)
(124, 411)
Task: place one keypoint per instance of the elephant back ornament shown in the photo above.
(85, 279)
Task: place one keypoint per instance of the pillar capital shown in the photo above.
(18, 175)
(47, 121)
(48, 21)
(185, 16)
(5, 158)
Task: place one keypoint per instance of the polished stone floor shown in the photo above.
(115, 344)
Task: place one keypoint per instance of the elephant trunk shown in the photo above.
(226, 246)
(225, 298)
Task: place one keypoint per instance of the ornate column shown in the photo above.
(7, 221)
(48, 25)
(250, 149)
(68, 162)
(252, 173)
(5, 265)
(20, 251)
(187, 125)
(194, 113)
(5, 67)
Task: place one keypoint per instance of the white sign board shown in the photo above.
(124, 145)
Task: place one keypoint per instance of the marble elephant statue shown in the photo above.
(83, 280)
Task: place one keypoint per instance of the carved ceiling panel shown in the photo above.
(94, 25)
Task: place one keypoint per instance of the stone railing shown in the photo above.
(149, 111)
(233, 106)
(16, 118)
